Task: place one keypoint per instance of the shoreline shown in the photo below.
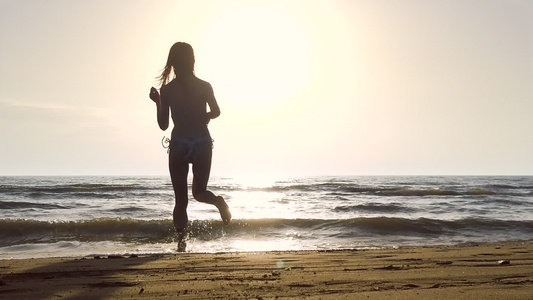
(500, 270)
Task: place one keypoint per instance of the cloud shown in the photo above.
(41, 113)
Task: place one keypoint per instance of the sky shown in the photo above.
(333, 87)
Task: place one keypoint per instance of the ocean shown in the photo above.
(86, 216)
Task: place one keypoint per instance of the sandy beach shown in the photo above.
(497, 271)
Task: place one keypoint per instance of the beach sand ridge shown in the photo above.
(499, 271)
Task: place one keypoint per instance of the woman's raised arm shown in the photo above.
(162, 108)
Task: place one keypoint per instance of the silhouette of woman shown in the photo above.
(186, 96)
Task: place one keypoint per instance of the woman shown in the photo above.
(186, 96)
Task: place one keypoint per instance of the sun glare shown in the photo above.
(258, 55)
(256, 180)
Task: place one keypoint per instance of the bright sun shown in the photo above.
(258, 56)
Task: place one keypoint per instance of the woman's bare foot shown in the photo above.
(223, 208)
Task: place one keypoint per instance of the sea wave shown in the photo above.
(29, 205)
(20, 231)
(375, 208)
(70, 188)
(336, 189)
(114, 187)
(73, 191)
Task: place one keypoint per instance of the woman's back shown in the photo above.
(187, 98)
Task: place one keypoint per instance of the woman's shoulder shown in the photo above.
(165, 86)
(171, 85)
(202, 83)
(194, 82)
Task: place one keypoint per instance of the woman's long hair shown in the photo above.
(180, 61)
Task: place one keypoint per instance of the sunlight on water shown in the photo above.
(255, 245)
(265, 205)
(249, 181)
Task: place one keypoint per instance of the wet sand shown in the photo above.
(497, 271)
